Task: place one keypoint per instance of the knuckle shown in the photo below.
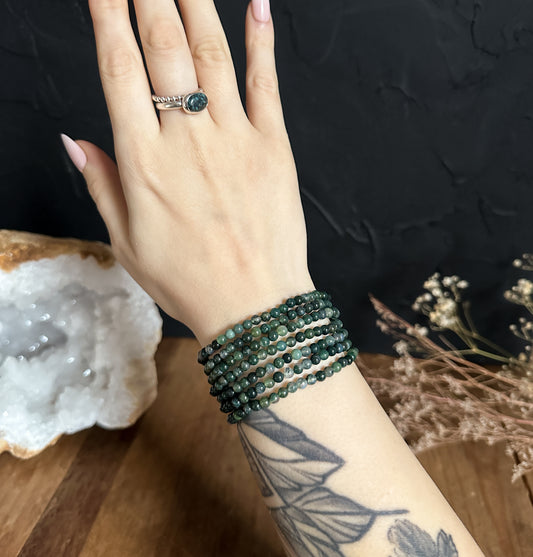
(211, 50)
(164, 37)
(118, 63)
(267, 83)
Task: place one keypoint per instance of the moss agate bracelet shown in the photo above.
(245, 346)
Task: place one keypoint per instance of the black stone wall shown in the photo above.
(411, 123)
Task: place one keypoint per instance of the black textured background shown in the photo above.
(411, 123)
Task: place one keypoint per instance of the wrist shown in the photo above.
(235, 308)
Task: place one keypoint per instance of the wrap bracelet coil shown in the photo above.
(281, 336)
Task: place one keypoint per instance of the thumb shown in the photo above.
(103, 182)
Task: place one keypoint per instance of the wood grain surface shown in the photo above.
(177, 484)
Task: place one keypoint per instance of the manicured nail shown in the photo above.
(261, 10)
(75, 152)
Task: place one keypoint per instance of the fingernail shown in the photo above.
(261, 10)
(75, 152)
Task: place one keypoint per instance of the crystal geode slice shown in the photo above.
(77, 341)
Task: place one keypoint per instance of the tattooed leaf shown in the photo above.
(412, 541)
(445, 545)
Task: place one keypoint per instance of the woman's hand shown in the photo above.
(203, 210)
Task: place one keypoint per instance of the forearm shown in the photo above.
(337, 476)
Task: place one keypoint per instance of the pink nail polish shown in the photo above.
(75, 152)
(261, 10)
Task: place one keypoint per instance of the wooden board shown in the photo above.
(177, 484)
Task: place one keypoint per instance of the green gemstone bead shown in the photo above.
(309, 334)
(255, 405)
(292, 387)
(230, 377)
(221, 339)
(264, 342)
(262, 354)
(269, 382)
(230, 333)
(282, 330)
(329, 371)
(311, 379)
(283, 392)
(260, 372)
(320, 375)
(237, 388)
(302, 383)
(274, 312)
(324, 354)
(238, 355)
(265, 316)
(260, 387)
(264, 402)
(291, 327)
(271, 350)
(297, 368)
(247, 324)
(278, 377)
(253, 360)
(273, 336)
(300, 323)
(244, 383)
(243, 397)
(279, 363)
(274, 397)
(281, 345)
(336, 367)
(291, 341)
(306, 351)
(296, 354)
(245, 366)
(307, 319)
(255, 332)
(265, 329)
(283, 308)
(270, 368)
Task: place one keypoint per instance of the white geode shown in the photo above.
(77, 341)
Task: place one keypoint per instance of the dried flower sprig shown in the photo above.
(444, 397)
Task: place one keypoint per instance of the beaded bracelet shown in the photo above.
(275, 312)
(264, 402)
(225, 368)
(232, 397)
(247, 344)
(270, 333)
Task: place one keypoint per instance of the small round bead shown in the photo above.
(256, 320)
(245, 366)
(238, 329)
(260, 371)
(264, 341)
(320, 375)
(291, 302)
(252, 377)
(292, 387)
(315, 359)
(253, 360)
(273, 397)
(255, 332)
(247, 409)
(302, 383)
(273, 336)
(278, 377)
(307, 363)
(311, 379)
(252, 393)
(238, 355)
(230, 334)
(260, 388)
(265, 316)
(283, 308)
(297, 368)
(290, 342)
(306, 351)
(279, 363)
(244, 383)
(255, 405)
(264, 402)
(237, 388)
(221, 339)
(265, 329)
(283, 320)
(243, 397)
(300, 337)
(271, 350)
(289, 372)
(262, 354)
(283, 392)
(247, 338)
(336, 367)
(274, 312)
(324, 355)
(328, 371)
(296, 354)
(287, 358)
(281, 345)
(269, 382)
(282, 330)
(247, 324)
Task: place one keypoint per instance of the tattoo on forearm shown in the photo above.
(314, 520)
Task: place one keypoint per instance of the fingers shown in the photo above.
(166, 50)
(121, 68)
(212, 59)
(103, 182)
(263, 103)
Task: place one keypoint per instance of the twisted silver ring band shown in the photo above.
(192, 103)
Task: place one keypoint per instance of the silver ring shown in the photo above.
(191, 103)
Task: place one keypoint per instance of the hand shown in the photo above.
(202, 210)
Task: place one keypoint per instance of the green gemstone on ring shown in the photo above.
(195, 102)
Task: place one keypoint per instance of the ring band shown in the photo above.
(191, 103)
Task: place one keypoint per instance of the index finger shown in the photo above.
(124, 80)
